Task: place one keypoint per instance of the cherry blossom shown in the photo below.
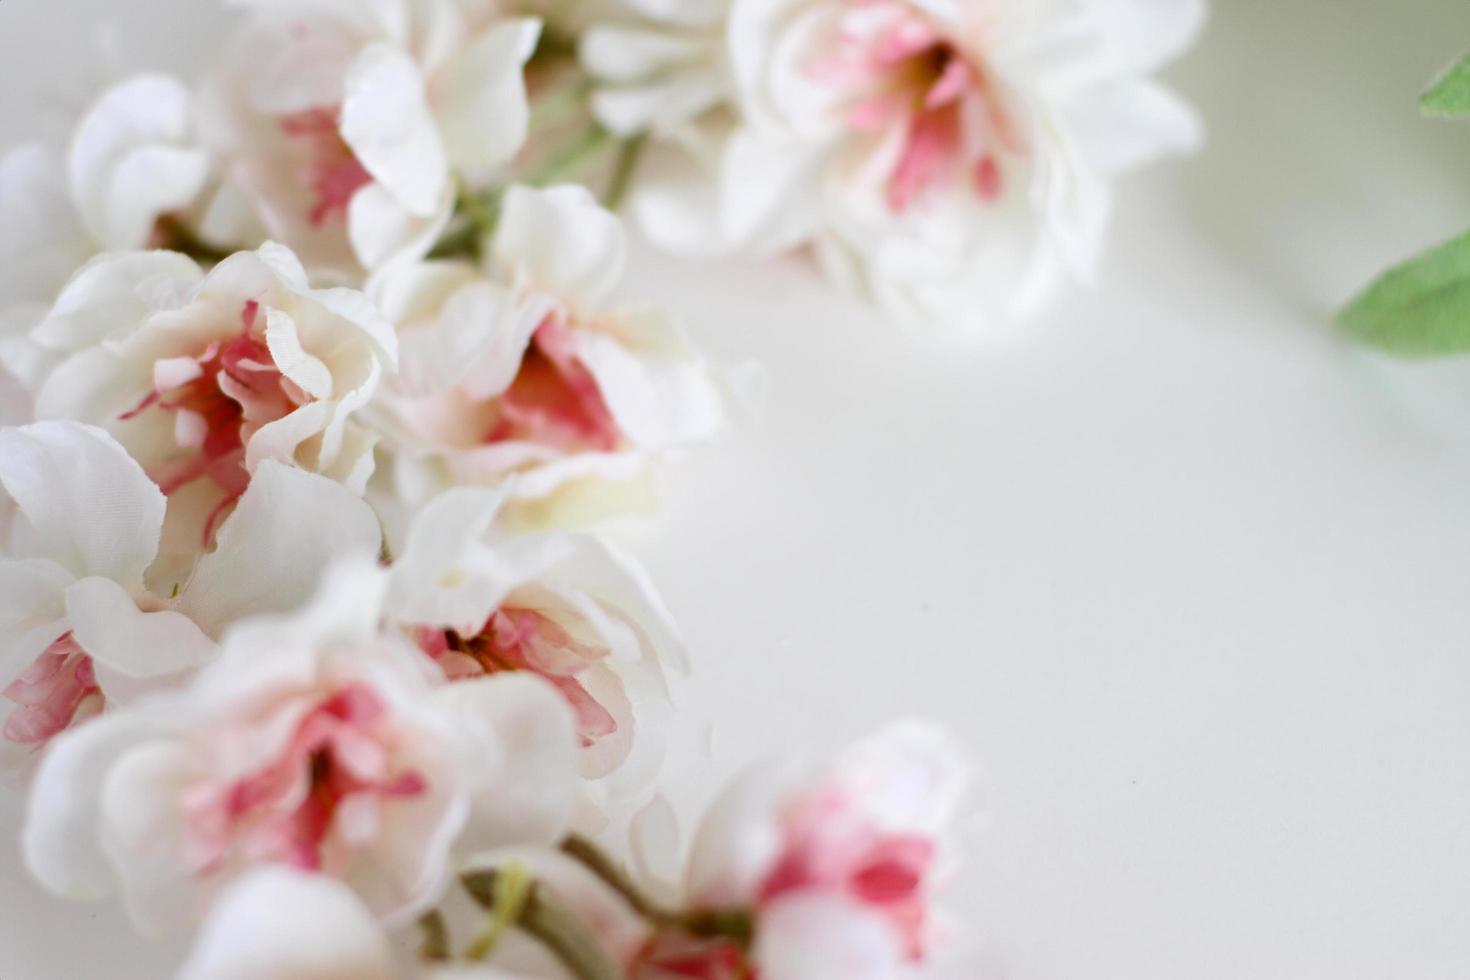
(315, 742)
(346, 123)
(524, 367)
(946, 158)
(568, 608)
(204, 376)
(82, 627)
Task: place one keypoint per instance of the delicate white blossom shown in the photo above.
(204, 376)
(80, 626)
(315, 741)
(526, 368)
(566, 607)
(948, 158)
(346, 123)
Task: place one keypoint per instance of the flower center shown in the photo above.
(554, 400)
(522, 639)
(218, 399)
(51, 694)
(330, 781)
(902, 77)
(827, 848)
(332, 171)
(670, 954)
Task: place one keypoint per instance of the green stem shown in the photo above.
(569, 162)
(546, 921)
(510, 894)
(628, 156)
(733, 924)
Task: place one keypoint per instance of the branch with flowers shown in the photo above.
(309, 374)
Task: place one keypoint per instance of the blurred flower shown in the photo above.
(525, 368)
(796, 873)
(131, 161)
(346, 123)
(317, 742)
(946, 158)
(565, 607)
(202, 377)
(80, 626)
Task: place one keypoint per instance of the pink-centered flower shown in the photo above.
(86, 619)
(524, 367)
(802, 873)
(315, 743)
(949, 158)
(345, 124)
(480, 600)
(203, 376)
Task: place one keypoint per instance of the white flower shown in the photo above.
(317, 742)
(799, 873)
(202, 377)
(525, 368)
(79, 625)
(132, 160)
(347, 122)
(948, 158)
(566, 607)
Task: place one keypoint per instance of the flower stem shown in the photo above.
(509, 895)
(567, 164)
(546, 921)
(733, 924)
(628, 155)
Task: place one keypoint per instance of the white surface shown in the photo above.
(1188, 573)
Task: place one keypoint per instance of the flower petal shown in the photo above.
(281, 924)
(32, 613)
(86, 504)
(117, 634)
(480, 101)
(522, 720)
(271, 553)
(386, 122)
(560, 241)
(61, 838)
(825, 937)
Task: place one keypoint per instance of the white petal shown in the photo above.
(89, 506)
(480, 96)
(109, 625)
(271, 553)
(42, 240)
(384, 232)
(445, 576)
(525, 723)
(824, 937)
(303, 368)
(282, 924)
(910, 777)
(560, 241)
(1128, 124)
(61, 839)
(655, 387)
(110, 295)
(32, 613)
(386, 122)
(148, 110)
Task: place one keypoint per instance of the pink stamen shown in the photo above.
(286, 811)
(221, 397)
(334, 173)
(50, 694)
(554, 400)
(522, 639)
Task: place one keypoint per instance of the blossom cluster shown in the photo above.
(313, 376)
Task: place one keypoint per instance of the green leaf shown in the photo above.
(1449, 96)
(1420, 308)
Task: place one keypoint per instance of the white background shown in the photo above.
(1186, 572)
